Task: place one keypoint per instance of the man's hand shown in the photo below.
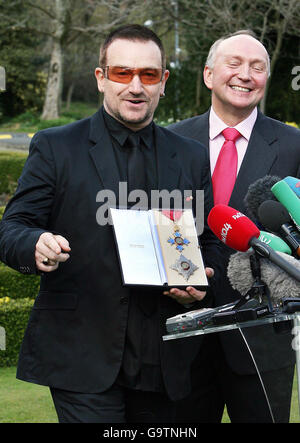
(190, 294)
(50, 250)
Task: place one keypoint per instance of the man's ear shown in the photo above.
(99, 74)
(208, 77)
(164, 81)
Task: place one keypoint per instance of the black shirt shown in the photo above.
(119, 134)
(141, 359)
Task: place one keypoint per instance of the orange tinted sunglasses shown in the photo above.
(119, 74)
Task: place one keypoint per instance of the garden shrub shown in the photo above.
(11, 165)
(15, 285)
(14, 315)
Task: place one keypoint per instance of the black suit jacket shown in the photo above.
(76, 332)
(273, 149)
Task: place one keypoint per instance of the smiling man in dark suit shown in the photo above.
(236, 72)
(96, 343)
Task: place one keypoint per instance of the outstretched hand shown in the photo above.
(189, 294)
(50, 250)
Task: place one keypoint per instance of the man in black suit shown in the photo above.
(236, 72)
(96, 343)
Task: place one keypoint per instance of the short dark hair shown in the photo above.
(131, 32)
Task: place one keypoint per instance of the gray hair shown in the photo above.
(213, 49)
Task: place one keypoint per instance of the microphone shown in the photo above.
(238, 232)
(289, 199)
(294, 184)
(258, 192)
(274, 216)
(279, 283)
(274, 242)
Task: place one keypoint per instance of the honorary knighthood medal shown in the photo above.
(184, 266)
(146, 256)
(177, 238)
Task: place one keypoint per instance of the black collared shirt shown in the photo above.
(141, 359)
(119, 134)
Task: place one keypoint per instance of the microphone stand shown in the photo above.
(259, 287)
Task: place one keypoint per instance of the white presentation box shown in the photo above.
(158, 248)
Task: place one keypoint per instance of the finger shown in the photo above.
(49, 246)
(182, 299)
(48, 252)
(195, 293)
(44, 252)
(51, 266)
(180, 296)
(43, 259)
(63, 243)
(209, 272)
(47, 242)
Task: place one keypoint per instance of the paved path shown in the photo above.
(18, 141)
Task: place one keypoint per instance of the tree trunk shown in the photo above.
(69, 95)
(281, 27)
(54, 84)
(55, 76)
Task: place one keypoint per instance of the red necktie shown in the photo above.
(224, 174)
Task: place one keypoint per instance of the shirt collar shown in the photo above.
(121, 132)
(216, 125)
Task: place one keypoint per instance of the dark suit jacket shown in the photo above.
(76, 332)
(274, 149)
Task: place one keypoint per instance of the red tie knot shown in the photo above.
(231, 134)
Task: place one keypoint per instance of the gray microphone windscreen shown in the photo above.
(278, 281)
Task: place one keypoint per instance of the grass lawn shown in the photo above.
(29, 122)
(22, 402)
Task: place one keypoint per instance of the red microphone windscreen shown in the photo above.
(232, 227)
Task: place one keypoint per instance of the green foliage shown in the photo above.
(44, 124)
(30, 121)
(180, 99)
(15, 285)
(17, 294)
(14, 315)
(24, 402)
(11, 165)
(25, 81)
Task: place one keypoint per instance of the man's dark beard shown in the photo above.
(126, 122)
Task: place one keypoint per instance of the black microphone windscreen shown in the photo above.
(258, 192)
(272, 214)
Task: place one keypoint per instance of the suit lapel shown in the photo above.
(258, 160)
(102, 154)
(200, 130)
(168, 168)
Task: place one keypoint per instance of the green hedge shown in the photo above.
(17, 291)
(11, 165)
(14, 315)
(15, 285)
